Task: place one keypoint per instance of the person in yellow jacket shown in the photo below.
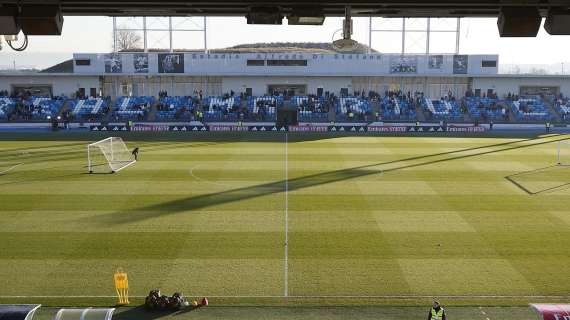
(437, 312)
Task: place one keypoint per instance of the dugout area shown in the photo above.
(28, 312)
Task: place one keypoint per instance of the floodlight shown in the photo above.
(306, 17)
(558, 21)
(264, 15)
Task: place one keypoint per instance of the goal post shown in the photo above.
(563, 153)
(108, 155)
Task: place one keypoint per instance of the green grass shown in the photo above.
(371, 221)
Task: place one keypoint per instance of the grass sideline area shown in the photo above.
(317, 313)
(376, 224)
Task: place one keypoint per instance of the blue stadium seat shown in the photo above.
(396, 109)
(530, 108)
(132, 108)
(442, 109)
(6, 106)
(486, 108)
(311, 109)
(88, 108)
(174, 108)
(263, 108)
(221, 108)
(352, 109)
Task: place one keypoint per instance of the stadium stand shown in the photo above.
(132, 108)
(530, 108)
(396, 108)
(352, 109)
(221, 108)
(42, 107)
(311, 108)
(486, 108)
(263, 108)
(6, 106)
(174, 108)
(91, 108)
(562, 105)
(442, 109)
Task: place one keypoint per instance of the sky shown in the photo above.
(477, 36)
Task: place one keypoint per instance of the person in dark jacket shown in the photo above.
(135, 153)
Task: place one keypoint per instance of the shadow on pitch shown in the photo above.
(229, 196)
(246, 193)
(518, 179)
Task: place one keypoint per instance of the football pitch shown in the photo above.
(276, 219)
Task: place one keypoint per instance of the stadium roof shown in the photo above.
(63, 67)
(400, 8)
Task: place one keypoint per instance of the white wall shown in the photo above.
(503, 86)
(259, 84)
(197, 64)
(61, 85)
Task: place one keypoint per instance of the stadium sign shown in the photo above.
(387, 129)
(150, 127)
(113, 128)
(553, 311)
(322, 128)
(234, 128)
(426, 129)
(228, 128)
(465, 129)
(354, 129)
(187, 128)
(308, 128)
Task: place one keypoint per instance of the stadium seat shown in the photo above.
(88, 108)
(442, 109)
(486, 108)
(352, 109)
(530, 108)
(263, 108)
(132, 108)
(311, 109)
(174, 108)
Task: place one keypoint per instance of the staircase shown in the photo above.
(397, 109)
(125, 103)
(97, 106)
(420, 113)
(152, 112)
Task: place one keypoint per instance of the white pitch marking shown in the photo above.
(205, 180)
(286, 271)
(11, 168)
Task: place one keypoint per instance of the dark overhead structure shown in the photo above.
(516, 17)
(519, 22)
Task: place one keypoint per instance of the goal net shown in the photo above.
(563, 153)
(108, 155)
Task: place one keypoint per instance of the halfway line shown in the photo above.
(286, 275)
